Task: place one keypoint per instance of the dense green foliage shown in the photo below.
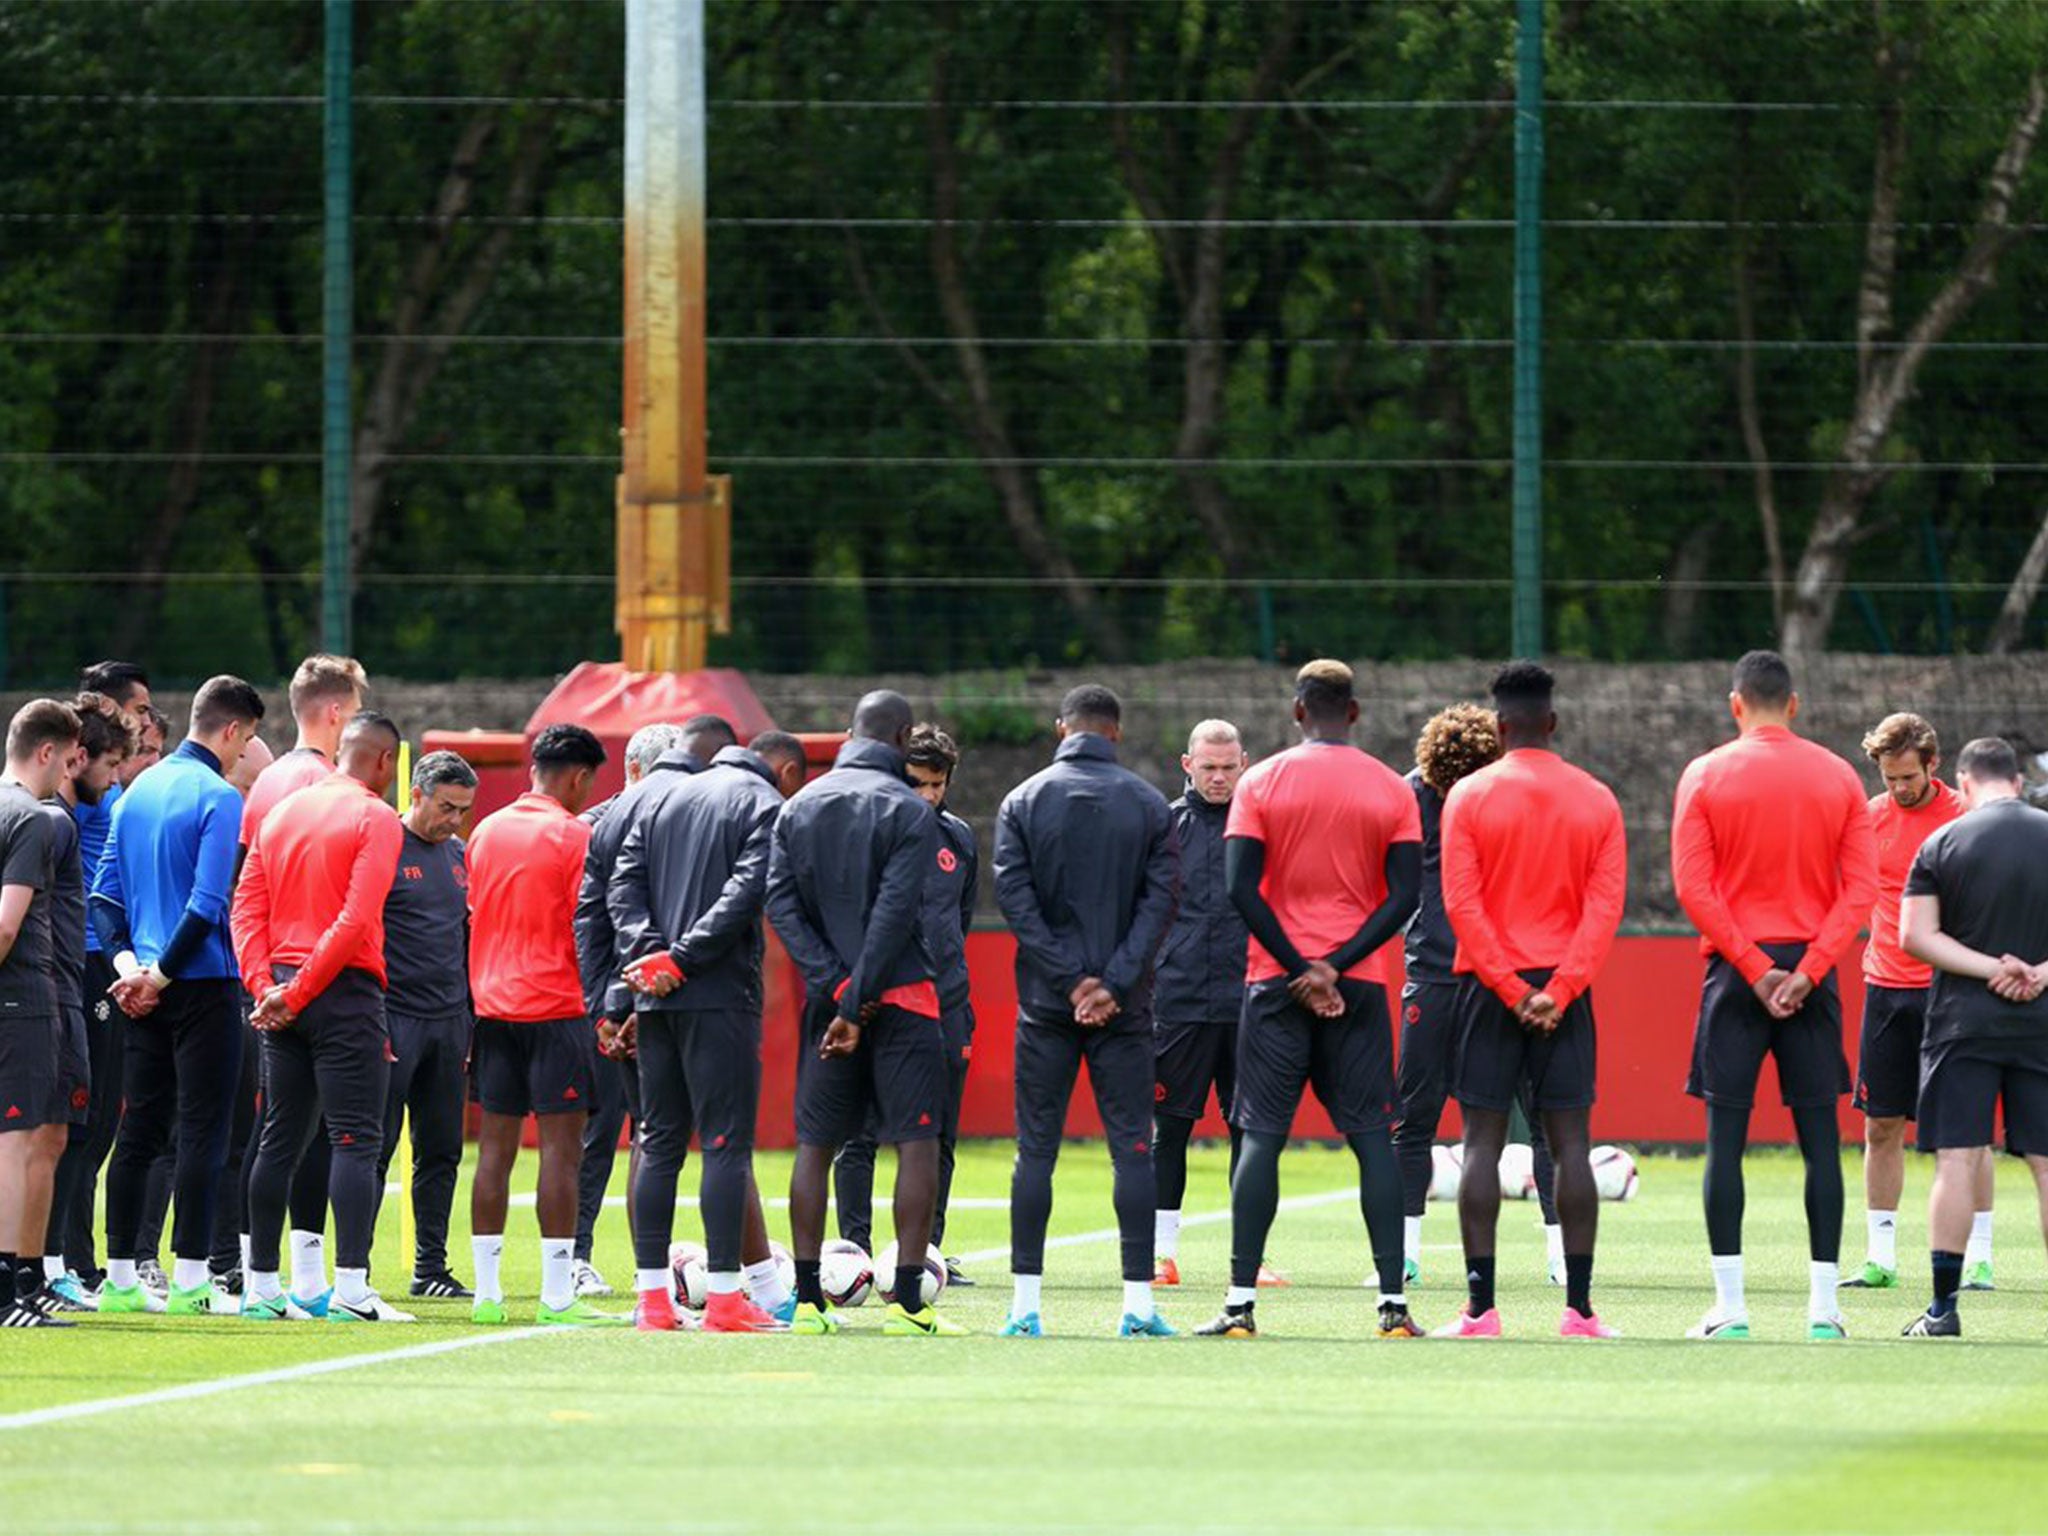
(1041, 331)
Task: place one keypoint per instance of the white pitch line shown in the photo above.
(185, 1392)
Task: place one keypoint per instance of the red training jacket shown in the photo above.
(1770, 843)
(525, 872)
(312, 892)
(1535, 871)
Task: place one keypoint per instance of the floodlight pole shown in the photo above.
(337, 331)
(1527, 620)
(674, 525)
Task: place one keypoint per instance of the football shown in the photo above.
(1517, 1172)
(1614, 1173)
(845, 1273)
(690, 1279)
(1446, 1168)
(934, 1275)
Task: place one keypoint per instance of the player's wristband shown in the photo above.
(156, 977)
(125, 965)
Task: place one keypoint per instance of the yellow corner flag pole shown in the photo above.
(403, 1161)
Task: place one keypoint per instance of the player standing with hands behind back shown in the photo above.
(535, 1049)
(1774, 862)
(1535, 918)
(1976, 909)
(1324, 856)
(1086, 871)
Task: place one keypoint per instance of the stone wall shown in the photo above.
(1635, 726)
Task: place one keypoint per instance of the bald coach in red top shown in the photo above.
(308, 924)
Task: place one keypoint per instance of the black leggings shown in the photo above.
(1820, 1146)
(1255, 1198)
(327, 1070)
(1170, 1137)
(71, 1217)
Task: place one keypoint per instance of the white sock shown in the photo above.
(1822, 1304)
(1166, 1234)
(1884, 1238)
(1024, 1295)
(309, 1263)
(484, 1253)
(243, 1243)
(724, 1282)
(651, 1279)
(1393, 1298)
(557, 1269)
(1240, 1296)
(1553, 1244)
(1978, 1249)
(263, 1284)
(186, 1273)
(1411, 1239)
(766, 1285)
(1138, 1298)
(53, 1266)
(1728, 1299)
(121, 1274)
(352, 1285)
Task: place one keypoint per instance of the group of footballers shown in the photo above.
(247, 978)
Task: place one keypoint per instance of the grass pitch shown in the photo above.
(219, 1426)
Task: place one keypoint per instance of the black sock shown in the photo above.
(28, 1276)
(1479, 1281)
(1948, 1279)
(6, 1279)
(808, 1289)
(1578, 1283)
(1241, 1309)
(910, 1287)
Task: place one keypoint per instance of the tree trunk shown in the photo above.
(422, 331)
(1888, 382)
(2019, 597)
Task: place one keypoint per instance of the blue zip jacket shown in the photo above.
(92, 844)
(163, 886)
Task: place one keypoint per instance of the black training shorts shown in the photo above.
(1888, 1056)
(543, 1068)
(1283, 1049)
(1735, 1031)
(30, 1074)
(1963, 1083)
(1499, 1059)
(1189, 1059)
(897, 1073)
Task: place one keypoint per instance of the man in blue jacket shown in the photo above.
(1087, 869)
(846, 884)
(160, 905)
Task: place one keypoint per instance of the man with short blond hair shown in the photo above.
(1198, 987)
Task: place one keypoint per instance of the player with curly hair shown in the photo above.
(1456, 742)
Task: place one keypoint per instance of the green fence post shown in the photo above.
(337, 326)
(1527, 620)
